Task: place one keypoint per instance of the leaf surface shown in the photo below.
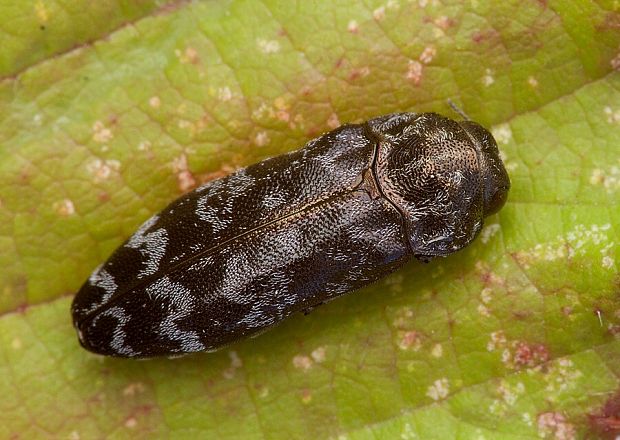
(124, 107)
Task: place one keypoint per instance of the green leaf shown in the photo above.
(110, 112)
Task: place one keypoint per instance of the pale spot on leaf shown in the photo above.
(318, 355)
(64, 207)
(414, 72)
(485, 295)
(553, 425)
(333, 121)
(187, 56)
(502, 133)
(428, 54)
(101, 133)
(261, 139)
(489, 231)
(268, 46)
(103, 169)
(488, 77)
(613, 116)
(439, 389)
(576, 243)
(379, 13)
(185, 178)
(483, 310)
(302, 362)
(353, 27)
(443, 23)
(235, 363)
(607, 178)
(224, 94)
(155, 101)
(41, 11)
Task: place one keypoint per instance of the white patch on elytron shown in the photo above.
(287, 243)
(257, 317)
(220, 217)
(102, 278)
(151, 245)
(118, 334)
(179, 303)
(275, 200)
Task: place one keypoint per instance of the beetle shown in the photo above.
(239, 254)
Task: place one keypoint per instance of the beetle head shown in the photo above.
(444, 176)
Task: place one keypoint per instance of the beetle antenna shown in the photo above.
(458, 110)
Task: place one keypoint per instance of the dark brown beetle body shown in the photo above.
(241, 253)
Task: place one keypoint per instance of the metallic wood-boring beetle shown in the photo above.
(241, 253)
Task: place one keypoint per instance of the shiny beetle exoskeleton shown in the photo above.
(239, 254)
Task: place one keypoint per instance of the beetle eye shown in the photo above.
(496, 201)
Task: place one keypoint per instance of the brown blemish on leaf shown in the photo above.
(542, 3)
(611, 22)
(306, 396)
(521, 315)
(487, 276)
(606, 421)
(487, 35)
(409, 340)
(518, 354)
(103, 196)
(361, 72)
(529, 355)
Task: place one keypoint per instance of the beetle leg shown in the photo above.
(424, 258)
